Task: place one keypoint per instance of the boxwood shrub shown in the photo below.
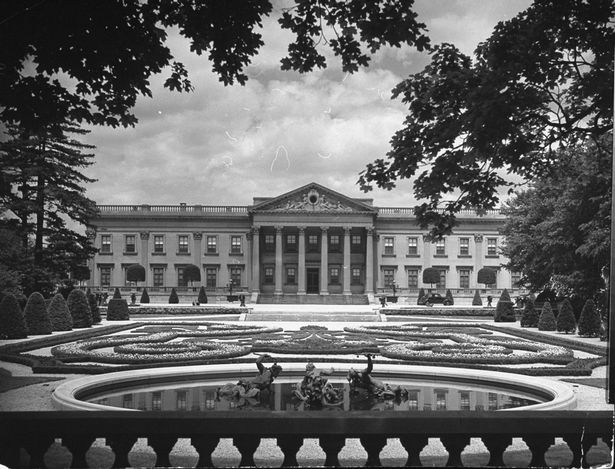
(35, 315)
(60, 317)
(12, 323)
(79, 309)
(117, 310)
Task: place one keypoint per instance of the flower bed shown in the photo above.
(434, 311)
(171, 310)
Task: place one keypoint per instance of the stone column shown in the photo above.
(369, 261)
(324, 261)
(301, 263)
(197, 239)
(278, 260)
(346, 268)
(478, 256)
(145, 256)
(426, 256)
(90, 233)
(256, 260)
(248, 257)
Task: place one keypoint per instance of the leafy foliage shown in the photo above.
(542, 79)
(486, 275)
(431, 275)
(589, 322)
(546, 322)
(59, 315)
(135, 273)
(173, 298)
(94, 309)
(448, 299)
(12, 323)
(530, 315)
(116, 294)
(192, 273)
(117, 310)
(504, 310)
(35, 315)
(202, 299)
(144, 296)
(565, 319)
(476, 301)
(505, 296)
(79, 309)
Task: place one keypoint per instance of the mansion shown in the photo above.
(311, 241)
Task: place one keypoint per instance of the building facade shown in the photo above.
(309, 241)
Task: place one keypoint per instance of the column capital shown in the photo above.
(90, 232)
(255, 229)
(347, 229)
(144, 234)
(197, 235)
(324, 228)
(370, 230)
(278, 229)
(249, 235)
(301, 229)
(478, 238)
(426, 238)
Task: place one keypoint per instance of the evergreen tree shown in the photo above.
(504, 310)
(59, 315)
(35, 315)
(79, 309)
(116, 294)
(476, 301)
(546, 322)
(173, 298)
(589, 322)
(202, 296)
(565, 319)
(94, 309)
(12, 323)
(421, 295)
(505, 296)
(530, 315)
(448, 299)
(144, 296)
(117, 310)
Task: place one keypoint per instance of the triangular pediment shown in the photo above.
(313, 198)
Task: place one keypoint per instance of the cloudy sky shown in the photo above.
(225, 145)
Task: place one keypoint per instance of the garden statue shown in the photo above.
(265, 375)
(250, 390)
(363, 381)
(315, 389)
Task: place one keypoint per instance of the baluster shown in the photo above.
(538, 444)
(205, 446)
(496, 444)
(588, 442)
(37, 447)
(454, 444)
(121, 446)
(290, 446)
(162, 445)
(78, 445)
(414, 444)
(373, 444)
(247, 444)
(332, 445)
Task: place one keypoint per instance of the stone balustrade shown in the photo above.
(34, 432)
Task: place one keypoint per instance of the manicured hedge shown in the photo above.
(589, 322)
(35, 315)
(186, 310)
(433, 311)
(565, 319)
(546, 322)
(12, 322)
(144, 296)
(59, 315)
(79, 309)
(117, 310)
(173, 298)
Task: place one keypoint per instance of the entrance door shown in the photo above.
(312, 280)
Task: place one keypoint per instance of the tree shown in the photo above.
(431, 275)
(530, 315)
(144, 296)
(35, 315)
(60, 317)
(504, 310)
(565, 319)
(486, 275)
(541, 80)
(546, 322)
(111, 49)
(420, 300)
(589, 322)
(173, 298)
(79, 309)
(202, 295)
(192, 273)
(476, 301)
(116, 294)
(558, 231)
(94, 309)
(449, 300)
(135, 273)
(117, 310)
(12, 323)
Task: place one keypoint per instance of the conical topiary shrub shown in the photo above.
(589, 322)
(116, 294)
(448, 298)
(202, 295)
(476, 301)
(35, 315)
(94, 309)
(504, 310)
(117, 310)
(546, 322)
(530, 315)
(173, 298)
(421, 295)
(144, 296)
(565, 319)
(12, 323)
(79, 309)
(60, 317)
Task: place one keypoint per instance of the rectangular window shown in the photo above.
(158, 244)
(291, 243)
(105, 276)
(158, 276)
(440, 247)
(130, 244)
(157, 400)
(413, 400)
(464, 278)
(493, 401)
(334, 275)
(312, 243)
(182, 244)
(515, 278)
(235, 274)
(235, 244)
(181, 280)
(356, 276)
(356, 243)
(464, 246)
(212, 244)
(492, 246)
(440, 400)
(269, 242)
(413, 246)
(334, 243)
(413, 278)
(127, 401)
(389, 246)
(211, 275)
(464, 400)
(181, 400)
(442, 282)
(105, 243)
(291, 275)
(268, 275)
(389, 276)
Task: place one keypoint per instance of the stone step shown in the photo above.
(313, 299)
(312, 316)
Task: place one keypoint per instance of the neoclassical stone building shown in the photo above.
(309, 244)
